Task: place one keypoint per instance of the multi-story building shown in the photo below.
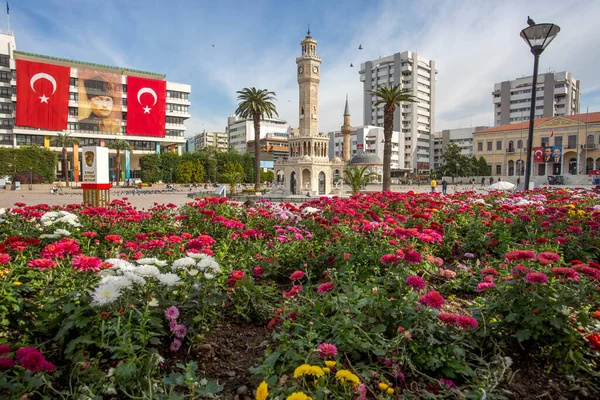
(368, 139)
(414, 120)
(567, 146)
(557, 94)
(80, 124)
(462, 137)
(240, 131)
(272, 145)
(218, 140)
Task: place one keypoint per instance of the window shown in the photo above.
(72, 126)
(73, 112)
(30, 139)
(498, 144)
(73, 81)
(6, 123)
(175, 120)
(489, 145)
(558, 140)
(541, 169)
(519, 144)
(6, 108)
(5, 76)
(545, 141)
(73, 96)
(6, 139)
(5, 92)
(89, 142)
(4, 60)
(571, 142)
(124, 88)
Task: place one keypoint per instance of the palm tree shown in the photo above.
(232, 177)
(390, 97)
(356, 177)
(119, 145)
(256, 103)
(65, 140)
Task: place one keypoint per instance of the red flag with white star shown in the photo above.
(42, 95)
(146, 106)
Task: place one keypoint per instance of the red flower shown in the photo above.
(87, 263)
(89, 235)
(448, 319)
(41, 263)
(520, 255)
(412, 256)
(325, 287)
(565, 273)
(258, 271)
(389, 259)
(4, 258)
(293, 292)
(548, 257)
(115, 239)
(297, 275)
(594, 339)
(415, 282)
(485, 285)
(4, 349)
(327, 351)
(6, 363)
(490, 271)
(466, 321)
(432, 299)
(201, 242)
(536, 277)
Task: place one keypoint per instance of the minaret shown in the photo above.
(309, 76)
(346, 131)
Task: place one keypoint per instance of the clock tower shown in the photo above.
(309, 76)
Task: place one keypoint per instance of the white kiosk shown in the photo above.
(95, 182)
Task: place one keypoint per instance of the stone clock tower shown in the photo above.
(307, 169)
(309, 77)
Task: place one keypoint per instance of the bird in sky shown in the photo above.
(351, 65)
(360, 47)
(213, 45)
(530, 22)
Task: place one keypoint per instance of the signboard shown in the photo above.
(267, 164)
(95, 168)
(360, 146)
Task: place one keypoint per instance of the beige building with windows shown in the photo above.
(577, 137)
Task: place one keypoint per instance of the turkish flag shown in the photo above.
(146, 106)
(538, 154)
(42, 95)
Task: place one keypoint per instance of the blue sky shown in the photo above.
(475, 44)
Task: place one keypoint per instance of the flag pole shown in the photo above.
(587, 116)
(8, 16)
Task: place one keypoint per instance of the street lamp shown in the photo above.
(30, 177)
(537, 37)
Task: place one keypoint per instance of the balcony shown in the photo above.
(407, 68)
(588, 146)
(510, 151)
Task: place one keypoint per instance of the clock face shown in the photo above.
(315, 69)
(300, 70)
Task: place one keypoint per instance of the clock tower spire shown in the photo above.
(309, 76)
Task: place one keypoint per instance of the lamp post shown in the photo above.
(537, 37)
(30, 177)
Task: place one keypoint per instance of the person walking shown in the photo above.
(491, 180)
(433, 185)
(444, 186)
(482, 181)
(518, 181)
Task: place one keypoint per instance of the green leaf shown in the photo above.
(174, 379)
(522, 335)
(511, 317)
(212, 387)
(126, 370)
(176, 396)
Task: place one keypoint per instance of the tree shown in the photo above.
(65, 140)
(256, 103)
(190, 172)
(119, 145)
(484, 168)
(267, 176)
(357, 178)
(169, 161)
(390, 97)
(233, 174)
(149, 168)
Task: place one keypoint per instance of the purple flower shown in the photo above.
(448, 383)
(176, 345)
(469, 255)
(171, 313)
(180, 331)
(464, 267)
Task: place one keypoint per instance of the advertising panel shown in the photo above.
(95, 167)
(146, 106)
(556, 154)
(100, 96)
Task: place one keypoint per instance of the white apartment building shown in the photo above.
(368, 139)
(205, 139)
(414, 120)
(557, 94)
(462, 137)
(177, 105)
(240, 131)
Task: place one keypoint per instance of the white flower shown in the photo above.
(62, 232)
(138, 280)
(183, 263)
(151, 261)
(168, 279)
(121, 265)
(310, 210)
(208, 276)
(121, 282)
(49, 236)
(195, 255)
(192, 272)
(147, 270)
(153, 302)
(208, 262)
(105, 294)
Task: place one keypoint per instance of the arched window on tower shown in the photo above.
(302, 111)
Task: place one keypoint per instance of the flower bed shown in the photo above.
(396, 295)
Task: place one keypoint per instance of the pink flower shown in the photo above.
(201, 242)
(258, 271)
(520, 255)
(172, 313)
(87, 263)
(175, 345)
(448, 319)
(4, 258)
(466, 321)
(412, 256)
(325, 287)
(389, 259)
(489, 271)
(32, 360)
(115, 239)
(536, 277)
(180, 331)
(6, 363)
(448, 383)
(327, 351)
(485, 285)
(565, 273)
(42, 263)
(548, 257)
(415, 282)
(89, 235)
(297, 275)
(293, 292)
(432, 299)
(4, 349)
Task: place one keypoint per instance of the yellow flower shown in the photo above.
(571, 206)
(390, 391)
(326, 370)
(263, 391)
(345, 376)
(330, 364)
(383, 386)
(435, 210)
(301, 370)
(298, 396)
(17, 283)
(316, 371)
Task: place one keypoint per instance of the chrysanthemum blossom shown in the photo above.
(105, 294)
(389, 259)
(327, 351)
(87, 263)
(415, 282)
(565, 273)
(4, 258)
(325, 287)
(536, 277)
(175, 345)
(466, 322)
(42, 263)
(485, 285)
(169, 279)
(520, 255)
(180, 331)
(448, 319)
(432, 299)
(412, 256)
(297, 275)
(171, 313)
(548, 257)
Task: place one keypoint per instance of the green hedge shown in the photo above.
(18, 161)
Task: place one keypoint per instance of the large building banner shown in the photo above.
(43, 95)
(146, 106)
(100, 96)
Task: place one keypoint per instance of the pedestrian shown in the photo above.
(482, 181)
(53, 190)
(500, 179)
(433, 185)
(518, 181)
(444, 186)
(491, 180)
